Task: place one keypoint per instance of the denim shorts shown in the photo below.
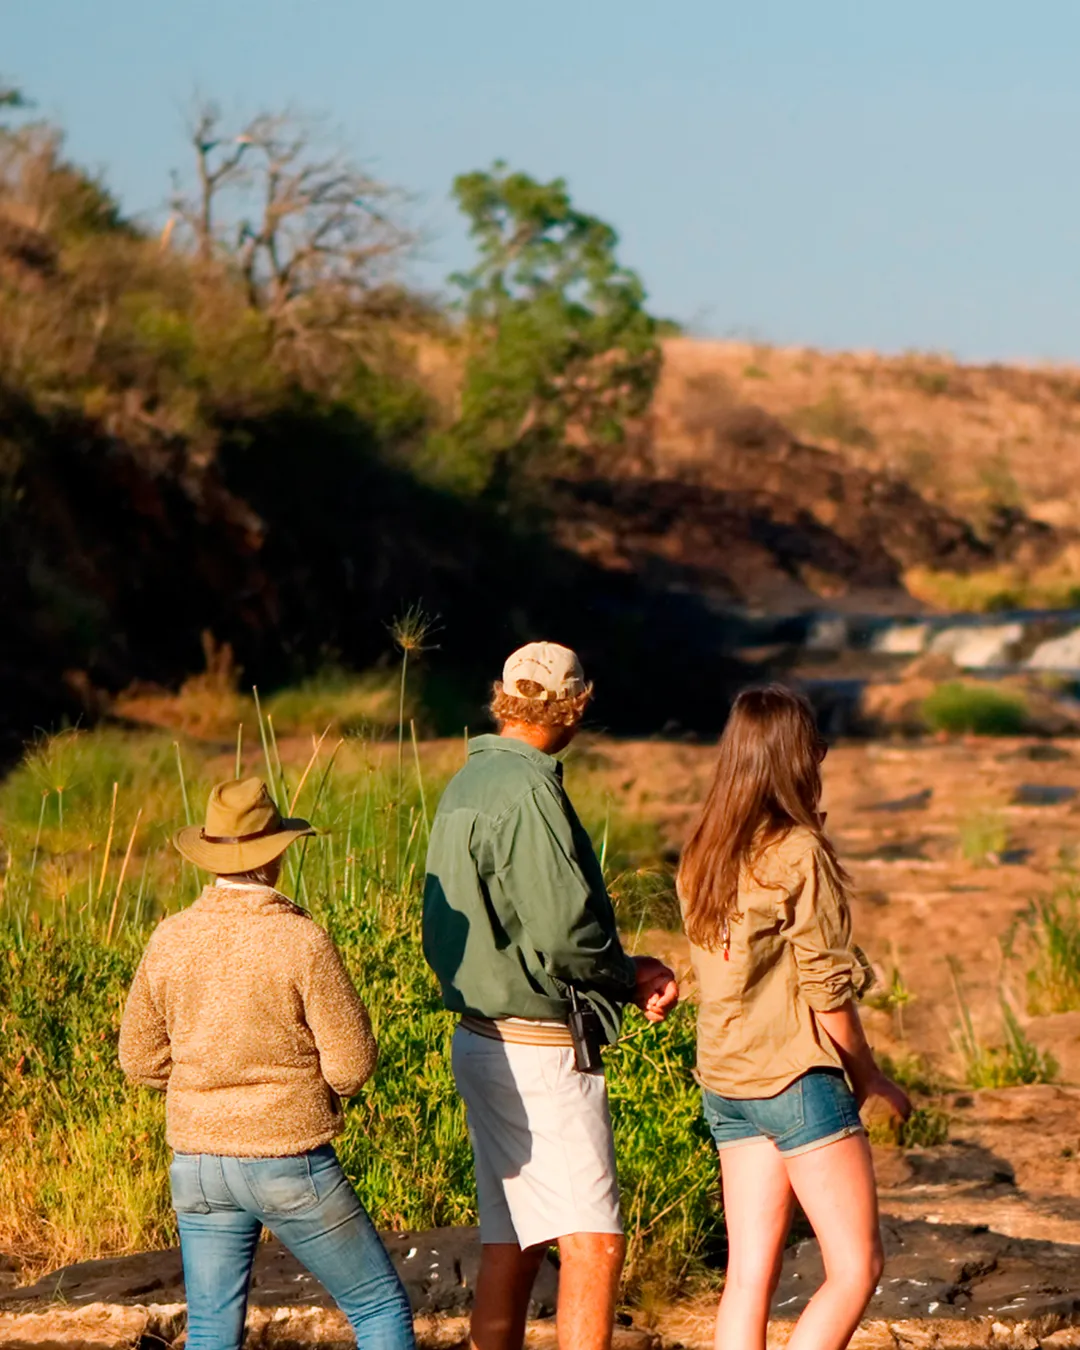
(817, 1109)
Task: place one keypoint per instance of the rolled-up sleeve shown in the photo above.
(817, 924)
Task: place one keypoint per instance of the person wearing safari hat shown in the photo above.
(520, 931)
(242, 1012)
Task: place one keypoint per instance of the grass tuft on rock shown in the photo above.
(960, 708)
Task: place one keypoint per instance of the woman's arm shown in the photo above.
(844, 1028)
(818, 926)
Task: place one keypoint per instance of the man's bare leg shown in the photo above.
(590, 1265)
(503, 1287)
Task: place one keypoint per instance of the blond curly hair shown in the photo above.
(535, 711)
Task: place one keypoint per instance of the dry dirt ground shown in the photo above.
(898, 814)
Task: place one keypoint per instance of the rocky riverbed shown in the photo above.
(946, 1284)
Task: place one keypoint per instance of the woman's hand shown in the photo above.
(877, 1085)
(845, 1030)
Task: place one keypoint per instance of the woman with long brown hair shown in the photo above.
(782, 1059)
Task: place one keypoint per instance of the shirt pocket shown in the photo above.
(188, 1196)
(281, 1185)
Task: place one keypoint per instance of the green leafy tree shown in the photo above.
(562, 354)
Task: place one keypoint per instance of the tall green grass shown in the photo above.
(84, 1170)
(1054, 977)
(1016, 1062)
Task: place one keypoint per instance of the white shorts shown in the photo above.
(542, 1141)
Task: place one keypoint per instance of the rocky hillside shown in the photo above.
(777, 493)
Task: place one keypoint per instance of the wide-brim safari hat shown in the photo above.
(244, 830)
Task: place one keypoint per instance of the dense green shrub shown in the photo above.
(959, 707)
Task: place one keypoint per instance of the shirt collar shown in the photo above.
(248, 897)
(511, 745)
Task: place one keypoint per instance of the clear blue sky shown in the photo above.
(844, 173)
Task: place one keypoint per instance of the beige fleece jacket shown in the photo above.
(243, 1013)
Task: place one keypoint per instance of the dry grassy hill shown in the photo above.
(968, 437)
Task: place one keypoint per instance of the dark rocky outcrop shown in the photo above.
(438, 1269)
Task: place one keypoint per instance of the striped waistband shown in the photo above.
(517, 1032)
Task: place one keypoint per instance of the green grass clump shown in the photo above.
(350, 704)
(892, 998)
(932, 382)
(911, 1071)
(1018, 1062)
(926, 1127)
(958, 708)
(1053, 585)
(984, 836)
(1054, 978)
(835, 418)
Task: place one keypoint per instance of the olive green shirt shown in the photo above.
(515, 907)
(790, 958)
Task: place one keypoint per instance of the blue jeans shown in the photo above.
(815, 1110)
(307, 1202)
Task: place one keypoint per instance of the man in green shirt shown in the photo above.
(519, 928)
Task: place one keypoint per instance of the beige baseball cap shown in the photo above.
(555, 669)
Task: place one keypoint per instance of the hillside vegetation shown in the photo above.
(243, 428)
(225, 427)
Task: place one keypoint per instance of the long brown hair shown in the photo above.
(767, 781)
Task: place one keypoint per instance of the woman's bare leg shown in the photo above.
(757, 1210)
(835, 1186)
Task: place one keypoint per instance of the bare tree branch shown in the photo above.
(311, 234)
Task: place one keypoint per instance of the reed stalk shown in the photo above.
(307, 770)
(419, 776)
(262, 735)
(283, 787)
(108, 841)
(183, 783)
(299, 875)
(37, 837)
(63, 844)
(123, 874)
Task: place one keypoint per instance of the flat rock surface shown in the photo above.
(950, 1271)
(438, 1269)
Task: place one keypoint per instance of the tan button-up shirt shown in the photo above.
(790, 958)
